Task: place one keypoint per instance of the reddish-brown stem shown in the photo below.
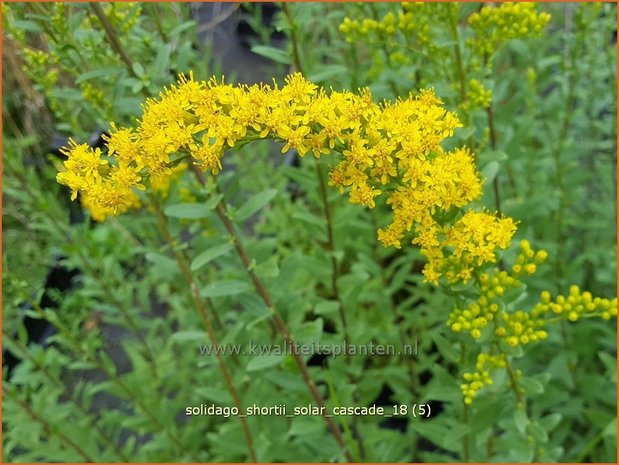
(276, 316)
(331, 248)
(197, 298)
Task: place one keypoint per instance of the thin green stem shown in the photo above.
(293, 37)
(453, 28)
(466, 438)
(331, 250)
(493, 144)
(512, 381)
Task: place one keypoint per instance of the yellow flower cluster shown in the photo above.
(468, 244)
(393, 146)
(496, 25)
(161, 183)
(105, 190)
(475, 381)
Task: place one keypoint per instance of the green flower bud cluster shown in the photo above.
(58, 18)
(491, 289)
(520, 328)
(94, 95)
(528, 259)
(412, 22)
(353, 29)
(477, 96)
(575, 305)
(494, 26)
(478, 314)
(40, 67)
(123, 16)
(474, 382)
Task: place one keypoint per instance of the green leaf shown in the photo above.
(309, 218)
(611, 428)
(26, 25)
(254, 322)
(209, 255)
(538, 433)
(213, 201)
(181, 28)
(490, 171)
(160, 260)
(444, 393)
(326, 72)
(67, 93)
(521, 420)
(160, 66)
(254, 204)
(138, 69)
(549, 422)
(445, 347)
(326, 307)
(487, 412)
(272, 53)
(224, 288)
(268, 269)
(99, 72)
(531, 386)
(438, 433)
(303, 426)
(193, 211)
(189, 336)
(260, 362)
(492, 155)
(220, 396)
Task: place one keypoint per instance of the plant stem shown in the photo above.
(69, 395)
(293, 37)
(323, 192)
(465, 438)
(195, 292)
(331, 249)
(46, 426)
(493, 144)
(453, 27)
(220, 209)
(112, 37)
(512, 380)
